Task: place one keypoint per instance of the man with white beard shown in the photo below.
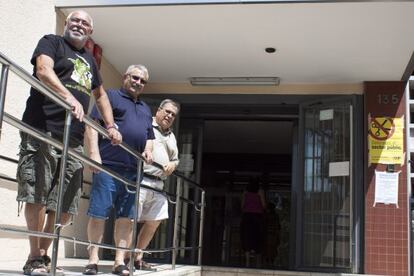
(62, 64)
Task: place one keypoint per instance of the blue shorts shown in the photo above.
(108, 193)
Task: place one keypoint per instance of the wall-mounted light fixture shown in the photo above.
(218, 81)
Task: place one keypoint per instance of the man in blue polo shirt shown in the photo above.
(134, 121)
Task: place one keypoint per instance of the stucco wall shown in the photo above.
(20, 29)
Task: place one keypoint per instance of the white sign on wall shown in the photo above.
(386, 188)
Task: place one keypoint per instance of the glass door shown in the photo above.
(190, 141)
(325, 216)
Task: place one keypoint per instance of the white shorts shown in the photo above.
(152, 205)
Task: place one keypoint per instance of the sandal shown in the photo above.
(120, 270)
(91, 269)
(141, 265)
(35, 267)
(48, 263)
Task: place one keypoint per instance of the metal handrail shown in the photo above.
(12, 160)
(7, 65)
(3, 87)
(55, 143)
(89, 243)
(45, 90)
(162, 192)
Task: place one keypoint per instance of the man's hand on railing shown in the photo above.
(169, 168)
(77, 109)
(115, 136)
(147, 154)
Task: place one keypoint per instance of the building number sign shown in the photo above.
(388, 99)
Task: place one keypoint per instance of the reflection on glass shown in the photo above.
(326, 206)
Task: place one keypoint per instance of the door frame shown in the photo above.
(357, 181)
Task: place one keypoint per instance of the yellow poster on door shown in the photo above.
(386, 140)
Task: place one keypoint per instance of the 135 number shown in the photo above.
(386, 99)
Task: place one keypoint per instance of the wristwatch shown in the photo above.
(115, 126)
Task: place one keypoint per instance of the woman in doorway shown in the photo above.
(252, 223)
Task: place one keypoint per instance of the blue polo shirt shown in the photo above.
(134, 120)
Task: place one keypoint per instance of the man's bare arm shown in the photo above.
(148, 151)
(46, 74)
(105, 108)
(91, 144)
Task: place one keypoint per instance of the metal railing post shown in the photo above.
(194, 226)
(135, 225)
(3, 88)
(62, 171)
(176, 218)
(200, 234)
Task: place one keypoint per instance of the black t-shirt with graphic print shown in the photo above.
(77, 71)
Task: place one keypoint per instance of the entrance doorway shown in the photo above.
(235, 153)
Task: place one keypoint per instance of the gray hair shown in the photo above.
(71, 14)
(140, 67)
(169, 101)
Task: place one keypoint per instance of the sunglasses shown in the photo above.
(137, 79)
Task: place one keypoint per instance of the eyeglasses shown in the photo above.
(168, 112)
(138, 79)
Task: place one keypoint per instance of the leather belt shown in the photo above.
(150, 176)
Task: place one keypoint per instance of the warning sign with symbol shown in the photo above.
(386, 140)
(381, 128)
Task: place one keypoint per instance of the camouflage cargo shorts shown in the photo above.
(38, 175)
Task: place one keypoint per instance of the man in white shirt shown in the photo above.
(153, 206)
